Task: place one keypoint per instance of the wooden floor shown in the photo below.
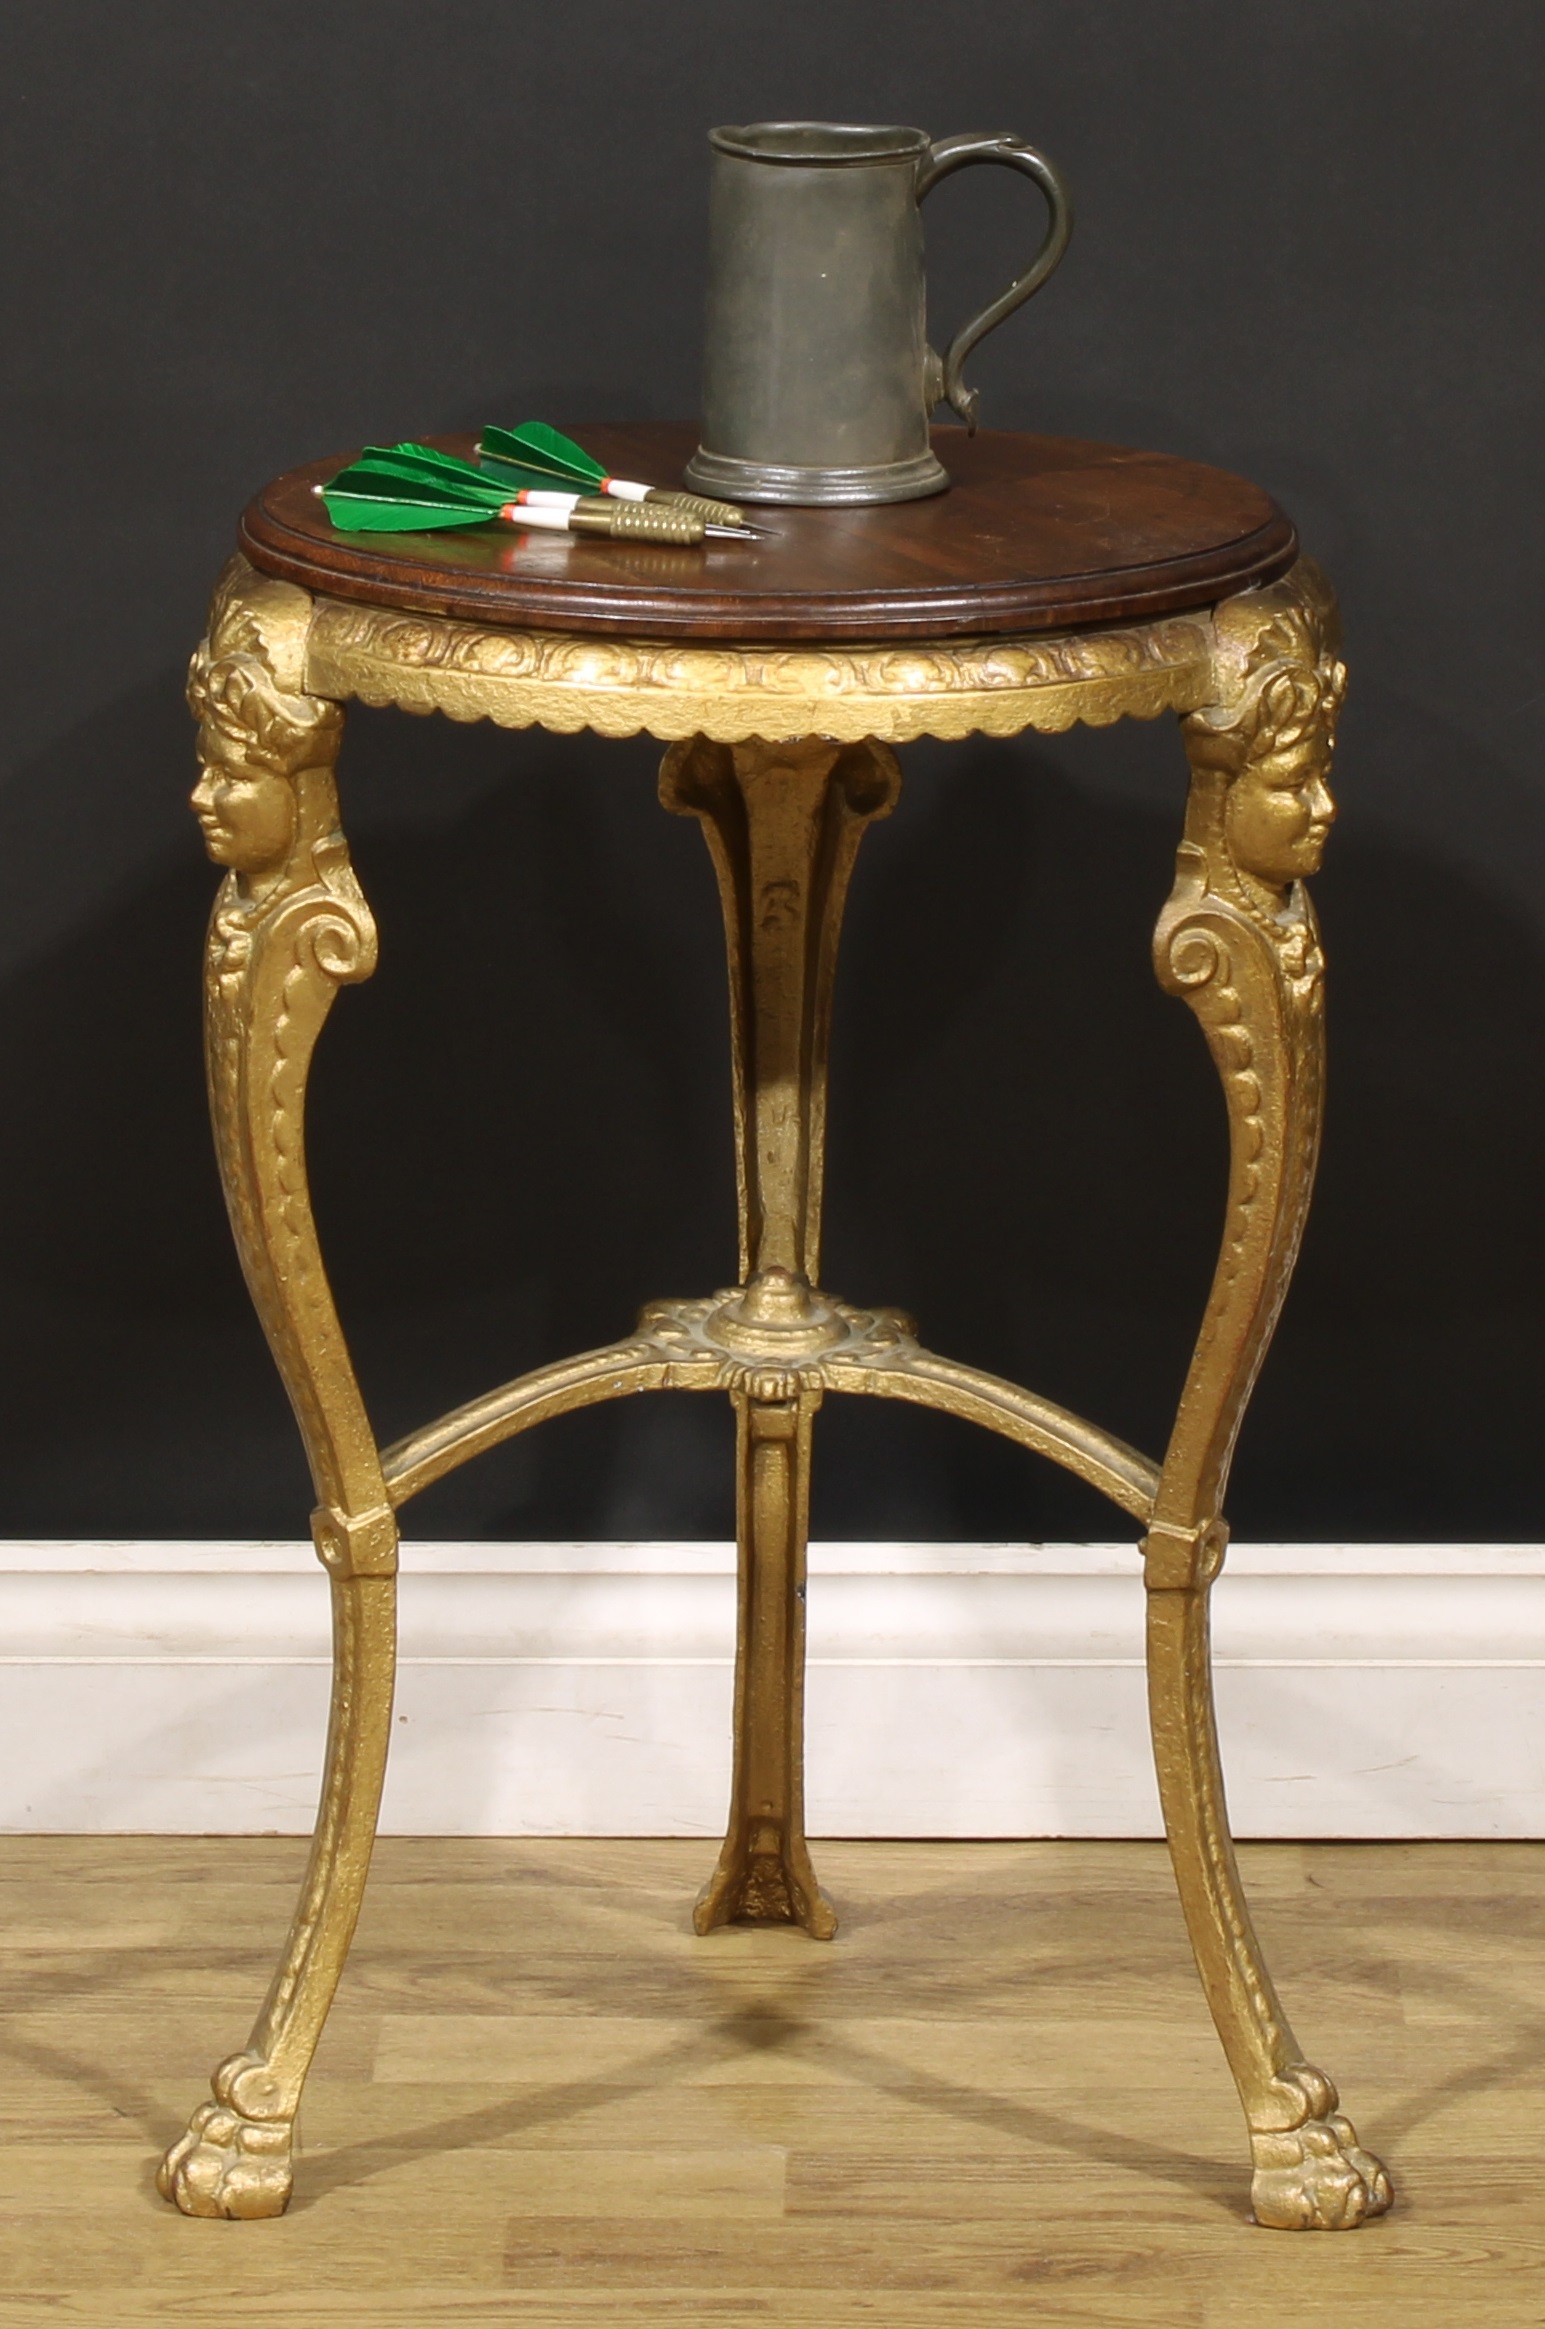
(995, 2098)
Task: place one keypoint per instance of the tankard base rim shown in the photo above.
(731, 478)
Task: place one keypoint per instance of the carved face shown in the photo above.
(1279, 809)
(247, 815)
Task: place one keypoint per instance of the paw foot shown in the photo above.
(1317, 2178)
(228, 2164)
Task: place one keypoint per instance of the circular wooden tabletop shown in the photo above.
(1035, 534)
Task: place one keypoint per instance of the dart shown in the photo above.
(536, 488)
(536, 447)
(411, 488)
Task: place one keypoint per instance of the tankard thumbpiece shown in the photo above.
(818, 379)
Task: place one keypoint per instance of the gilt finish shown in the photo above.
(783, 823)
(782, 754)
(289, 928)
(1238, 941)
(949, 688)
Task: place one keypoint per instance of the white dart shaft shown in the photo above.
(551, 510)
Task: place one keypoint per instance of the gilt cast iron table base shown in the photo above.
(783, 754)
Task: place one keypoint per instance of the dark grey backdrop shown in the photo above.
(1307, 249)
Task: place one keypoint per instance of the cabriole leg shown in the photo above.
(289, 928)
(1238, 941)
(783, 823)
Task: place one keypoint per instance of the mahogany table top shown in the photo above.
(1035, 534)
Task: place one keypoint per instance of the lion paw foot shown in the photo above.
(1317, 2178)
(228, 2164)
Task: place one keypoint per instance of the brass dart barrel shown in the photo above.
(637, 521)
(712, 513)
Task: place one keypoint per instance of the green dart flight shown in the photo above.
(408, 488)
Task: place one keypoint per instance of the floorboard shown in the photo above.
(995, 2099)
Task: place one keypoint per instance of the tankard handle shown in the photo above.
(943, 381)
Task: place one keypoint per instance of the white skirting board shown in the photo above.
(954, 1690)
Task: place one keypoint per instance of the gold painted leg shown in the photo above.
(1310, 2172)
(289, 928)
(235, 2158)
(1238, 941)
(783, 823)
(764, 1872)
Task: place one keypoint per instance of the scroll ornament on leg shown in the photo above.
(1239, 942)
(290, 927)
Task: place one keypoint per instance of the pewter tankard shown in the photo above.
(818, 378)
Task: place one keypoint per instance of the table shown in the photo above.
(1058, 581)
